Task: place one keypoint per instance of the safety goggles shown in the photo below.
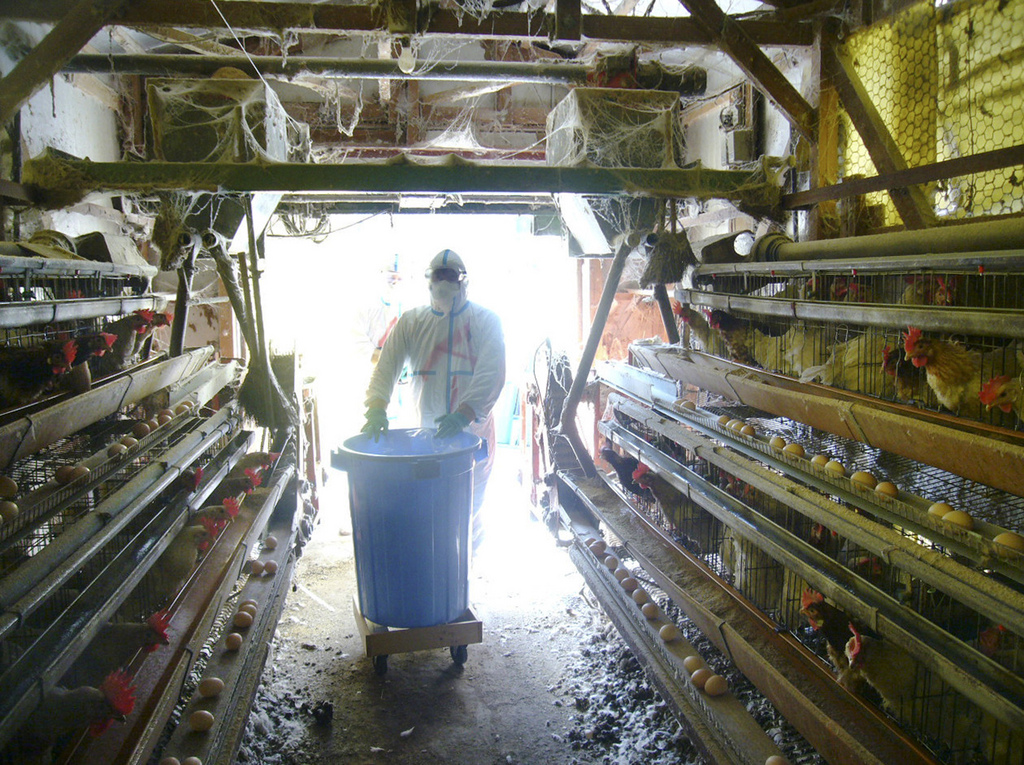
(445, 275)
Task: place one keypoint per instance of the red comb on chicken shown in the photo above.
(991, 393)
(159, 622)
(231, 505)
(640, 472)
(910, 341)
(120, 694)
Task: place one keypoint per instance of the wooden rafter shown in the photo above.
(267, 17)
(911, 203)
(75, 28)
(737, 44)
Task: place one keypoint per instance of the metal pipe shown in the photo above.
(175, 65)
(567, 421)
(181, 303)
(988, 235)
(667, 317)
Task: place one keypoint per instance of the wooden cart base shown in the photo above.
(379, 641)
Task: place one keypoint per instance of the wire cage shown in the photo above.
(954, 727)
(34, 279)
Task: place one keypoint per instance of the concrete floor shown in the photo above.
(518, 699)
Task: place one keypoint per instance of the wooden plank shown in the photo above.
(746, 54)
(466, 630)
(75, 28)
(568, 16)
(937, 171)
(911, 203)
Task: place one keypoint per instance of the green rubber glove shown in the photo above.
(451, 424)
(376, 422)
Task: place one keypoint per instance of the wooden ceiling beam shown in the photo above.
(728, 35)
(272, 17)
(911, 203)
(73, 30)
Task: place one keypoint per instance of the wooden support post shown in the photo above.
(84, 19)
(181, 303)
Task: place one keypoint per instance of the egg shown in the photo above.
(777, 442)
(165, 413)
(182, 408)
(200, 720)
(191, 761)
(640, 596)
(701, 676)
(248, 608)
(270, 567)
(734, 424)
(129, 441)
(820, 460)
(611, 562)
(115, 449)
(242, 619)
(692, 663)
(650, 610)
(621, 573)
(599, 547)
(669, 632)
(63, 473)
(256, 567)
(688, 405)
(776, 760)
(888, 488)
(249, 602)
(8, 487)
(835, 467)
(865, 479)
(940, 509)
(959, 518)
(748, 430)
(794, 449)
(716, 685)
(152, 424)
(724, 419)
(140, 430)
(589, 541)
(270, 543)
(629, 584)
(79, 471)
(1009, 539)
(163, 419)
(233, 641)
(170, 761)
(211, 686)
(8, 510)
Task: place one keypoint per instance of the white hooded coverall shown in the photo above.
(455, 357)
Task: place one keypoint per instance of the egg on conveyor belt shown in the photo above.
(940, 509)
(256, 567)
(242, 619)
(640, 596)
(865, 479)
(248, 608)
(888, 488)
(140, 430)
(129, 441)
(650, 610)
(1010, 539)
(724, 420)
(748, 430)
(820, 460)
(8, 487)
(621, 573)
(777, 442)
(170, 761)
(959, 518)
(836, 467)
(776, 760)
(115, 449)
(795, 450)
(629, 584)
(63, 474)
(692, 663)
(270, 567)
(270, 543)
(700, 677)
(8, 510)
(716, 685)
(191, 761)
(233, 641)
(599, 547)
(668, 633)
(683, 404)
(734, 424)
(248, 602)
(611, 562)
(200, 720)
(211, 686)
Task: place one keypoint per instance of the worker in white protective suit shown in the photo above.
(455, 351)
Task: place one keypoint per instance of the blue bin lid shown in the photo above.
(409, 443)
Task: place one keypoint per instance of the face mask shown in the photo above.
(442, 294)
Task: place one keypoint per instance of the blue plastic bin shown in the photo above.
(411, 496)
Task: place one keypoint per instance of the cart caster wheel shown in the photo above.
(459, 654)
(380, 664)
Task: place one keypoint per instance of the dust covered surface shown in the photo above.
(552, 682)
